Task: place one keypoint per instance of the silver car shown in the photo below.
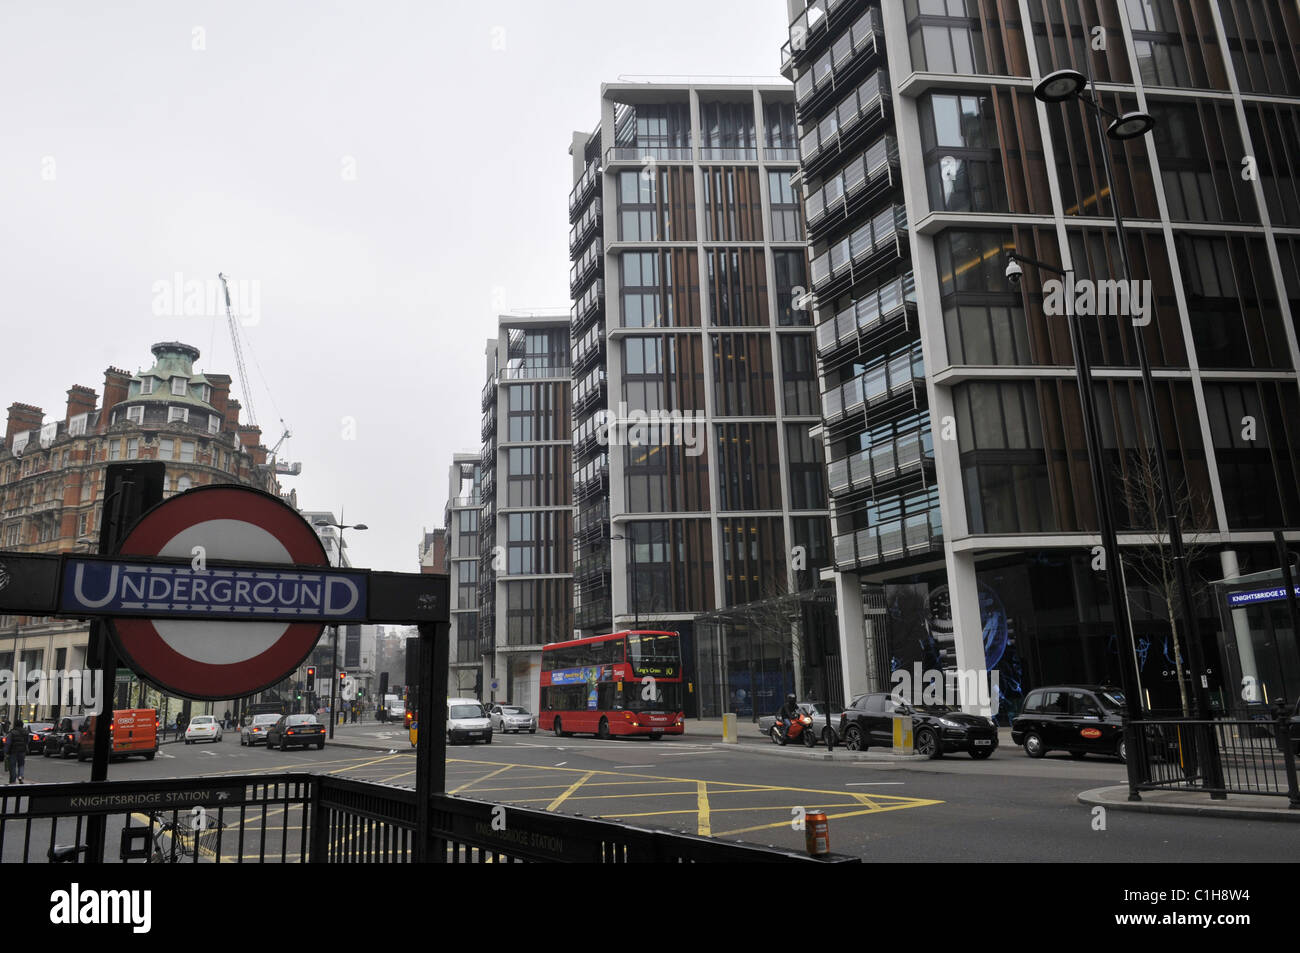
(254, 733)
(467, 721)
(513, 718)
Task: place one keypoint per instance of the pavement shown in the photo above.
(1246, 806)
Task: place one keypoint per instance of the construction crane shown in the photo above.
(239, 358)
(283, 469)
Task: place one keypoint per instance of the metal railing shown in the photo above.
(868, 314)
(1218, 757)
(299, 817)
(902, 538)
(870, 96)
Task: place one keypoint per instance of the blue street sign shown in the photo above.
(127, 587)
(1258, 595)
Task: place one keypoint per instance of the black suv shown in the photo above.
(936, 729)
(1080, 719)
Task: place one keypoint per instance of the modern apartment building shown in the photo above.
(461, 518)
(52, 474)
(525, 578)
(963, 509)
(698, 486)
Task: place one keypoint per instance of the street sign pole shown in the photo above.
(431, 740)
(131, 489)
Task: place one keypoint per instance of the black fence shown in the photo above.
(300, 818)
(1219, 757)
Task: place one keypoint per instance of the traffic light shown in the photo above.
(343, 677)
(311, 678)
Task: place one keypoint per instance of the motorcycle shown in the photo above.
(798, 728)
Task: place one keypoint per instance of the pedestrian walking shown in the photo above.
(16, 750)
(225, 721)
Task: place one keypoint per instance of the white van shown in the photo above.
(467, 721)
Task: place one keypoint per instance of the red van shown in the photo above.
(133, 731)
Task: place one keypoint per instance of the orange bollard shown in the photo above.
(817, 833)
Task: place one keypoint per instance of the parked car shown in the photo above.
(506, 718)
(254, 733)
(38, 734)
(818, 712)
(467, 722)
(1080, 719)
(203, 728)
(64, 738)
(132, 731)
(295, 731)
(936, 729)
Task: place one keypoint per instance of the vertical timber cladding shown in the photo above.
(733, 205)
(753, 550)
(677, 204)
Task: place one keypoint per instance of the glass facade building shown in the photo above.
(962, 501)
(698, 484)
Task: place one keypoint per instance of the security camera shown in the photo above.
(1014, 273)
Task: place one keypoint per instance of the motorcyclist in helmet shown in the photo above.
(789, 711)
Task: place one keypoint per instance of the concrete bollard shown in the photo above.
(730, 732)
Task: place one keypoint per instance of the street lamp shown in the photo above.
(334, 655)
(1129, 679)
(1058, 87)
(636, 613)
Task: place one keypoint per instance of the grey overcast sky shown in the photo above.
(391, 174)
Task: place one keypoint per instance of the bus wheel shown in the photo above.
(603, 731)
(556, 729)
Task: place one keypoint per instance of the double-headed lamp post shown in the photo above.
(1059, 87)
(636, 613)
(334, 655)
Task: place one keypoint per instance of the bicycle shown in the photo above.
(181, 840)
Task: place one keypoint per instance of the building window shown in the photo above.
(791, 289)
(183, 484)
(146, 385)
(205, 393)
(787, 208)
(963, 165)
(81, 525)
(166, 448)
(133, 448)
(167, 482)
(643, 303)
(77, 425)
(637, 207)
(214, 424)
(178, 413)
(114, 449)
(135, 414)
(180, 386)
(187, 451)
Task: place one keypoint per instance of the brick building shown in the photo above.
(52, 475)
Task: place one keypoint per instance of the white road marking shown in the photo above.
(863, 784)
(562, 764)
(634, 765)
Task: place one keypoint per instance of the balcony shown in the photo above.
(587, 348)
(873, 318)
(473, 499)
(590, 305)
(906, 538)
(585, 267)
(723, 154)
(896, 378)
(590, 223)
(489, 394)
(872, 246)
(843, 194)
(839, 66)
(532, 372)
(884, 465)
(858, 114)
(488, 425)
(591, 485)
(780, 154)
(637, 155)
(589, 391)
(584, 189)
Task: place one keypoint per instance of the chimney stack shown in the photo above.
(23, 417)
(251, 439)
(233, 407)
(117, 387)
(81, 400)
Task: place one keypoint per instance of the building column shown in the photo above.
(850, 620)
(967, 627)
(1241, 628)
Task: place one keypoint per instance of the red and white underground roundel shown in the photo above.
(219, 659)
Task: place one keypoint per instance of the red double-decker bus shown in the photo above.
(627, 683)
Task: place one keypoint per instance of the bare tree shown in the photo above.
(1153, 564)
